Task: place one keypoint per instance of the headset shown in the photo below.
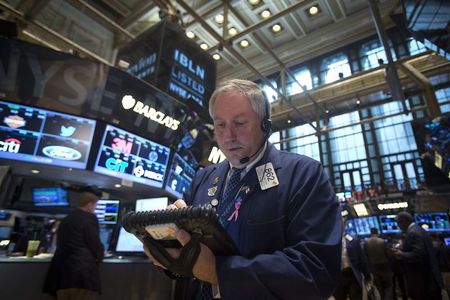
(266, 127)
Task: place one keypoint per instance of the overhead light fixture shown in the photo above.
(34, 171)
(219, 19)
(313, 10)
(190, 34)
(244, 43)
(254, 2)
(204, 46)
(216, 56)
(232, 31)
(289, 121)
(265, 14)
(327, 111)
(117, 185)
(123, 64)
(358, 102)
(277, 28)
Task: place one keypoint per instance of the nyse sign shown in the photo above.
(187, 79)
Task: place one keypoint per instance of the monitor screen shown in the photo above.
(350, 227)
(5, 232)
(364, 224)
(41, 136)
(126, 241)
(50, 196)
(107, 211)
(388, 224)
(432, 221)
(105, 236)
(151, 203)
(447, 241)
(131, 157)
(180, 176)
(340, 197)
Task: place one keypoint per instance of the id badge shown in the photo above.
(266, 176)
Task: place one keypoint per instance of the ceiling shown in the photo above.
(98, 28)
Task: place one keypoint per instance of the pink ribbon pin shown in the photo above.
(235, 213)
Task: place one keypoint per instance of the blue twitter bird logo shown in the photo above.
(67, 131)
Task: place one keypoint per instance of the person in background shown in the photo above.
(423, 279)
(354, 268)
(278, 207)
(378, 253)
(74, 270)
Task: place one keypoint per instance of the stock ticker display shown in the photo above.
(45, 137)
(131, 157)
(180, 176)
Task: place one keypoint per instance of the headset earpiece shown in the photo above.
(266, 123)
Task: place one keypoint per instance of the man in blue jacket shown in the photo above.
(278, 207)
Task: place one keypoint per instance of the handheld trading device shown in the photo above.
(157, 228)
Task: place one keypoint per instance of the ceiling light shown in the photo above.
(35, 171)
(216, 56)
(254, 2)
(265, 14)
(123, 64)
(277, 28)
(313, 10)
(117, 185)
(190, 34)
(327, 111)
(219, 19)
(204, 46)
(289, 121)
(244, 43)
(358, 102)
(232, 31)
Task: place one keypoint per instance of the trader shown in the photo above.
(278, 207)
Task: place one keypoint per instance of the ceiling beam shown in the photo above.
(137, 13)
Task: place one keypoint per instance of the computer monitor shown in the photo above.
(388, 224)
(50, 196)
(107, 211)
(5, 232)
(435, 222)
(127, 242)
(151, 203)
(364, 224)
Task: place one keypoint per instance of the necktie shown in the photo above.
(231, 189)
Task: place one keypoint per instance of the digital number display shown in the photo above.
(128, 156)
(41, 136)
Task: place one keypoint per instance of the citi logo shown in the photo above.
(128, 102)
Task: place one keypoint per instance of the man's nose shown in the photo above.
(229, 133)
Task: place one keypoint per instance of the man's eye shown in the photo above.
(220, 125)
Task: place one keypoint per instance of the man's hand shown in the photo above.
(205, 266)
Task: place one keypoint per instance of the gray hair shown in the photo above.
(248, 89)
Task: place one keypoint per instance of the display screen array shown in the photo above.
(179, 177)
(45, 137)
(131, 157)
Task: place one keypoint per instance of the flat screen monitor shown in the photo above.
(340, 197)
(5, 232)
(105, 236)
(127, 242)
(131, 157)
(388, 224)
(433, 221)
(50, 196)
(348, 196)
(364, 224)
(107, 211)
(350, 227)
(180, 176)
(41, 136)
(151, 203)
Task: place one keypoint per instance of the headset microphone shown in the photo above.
(266, 126)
